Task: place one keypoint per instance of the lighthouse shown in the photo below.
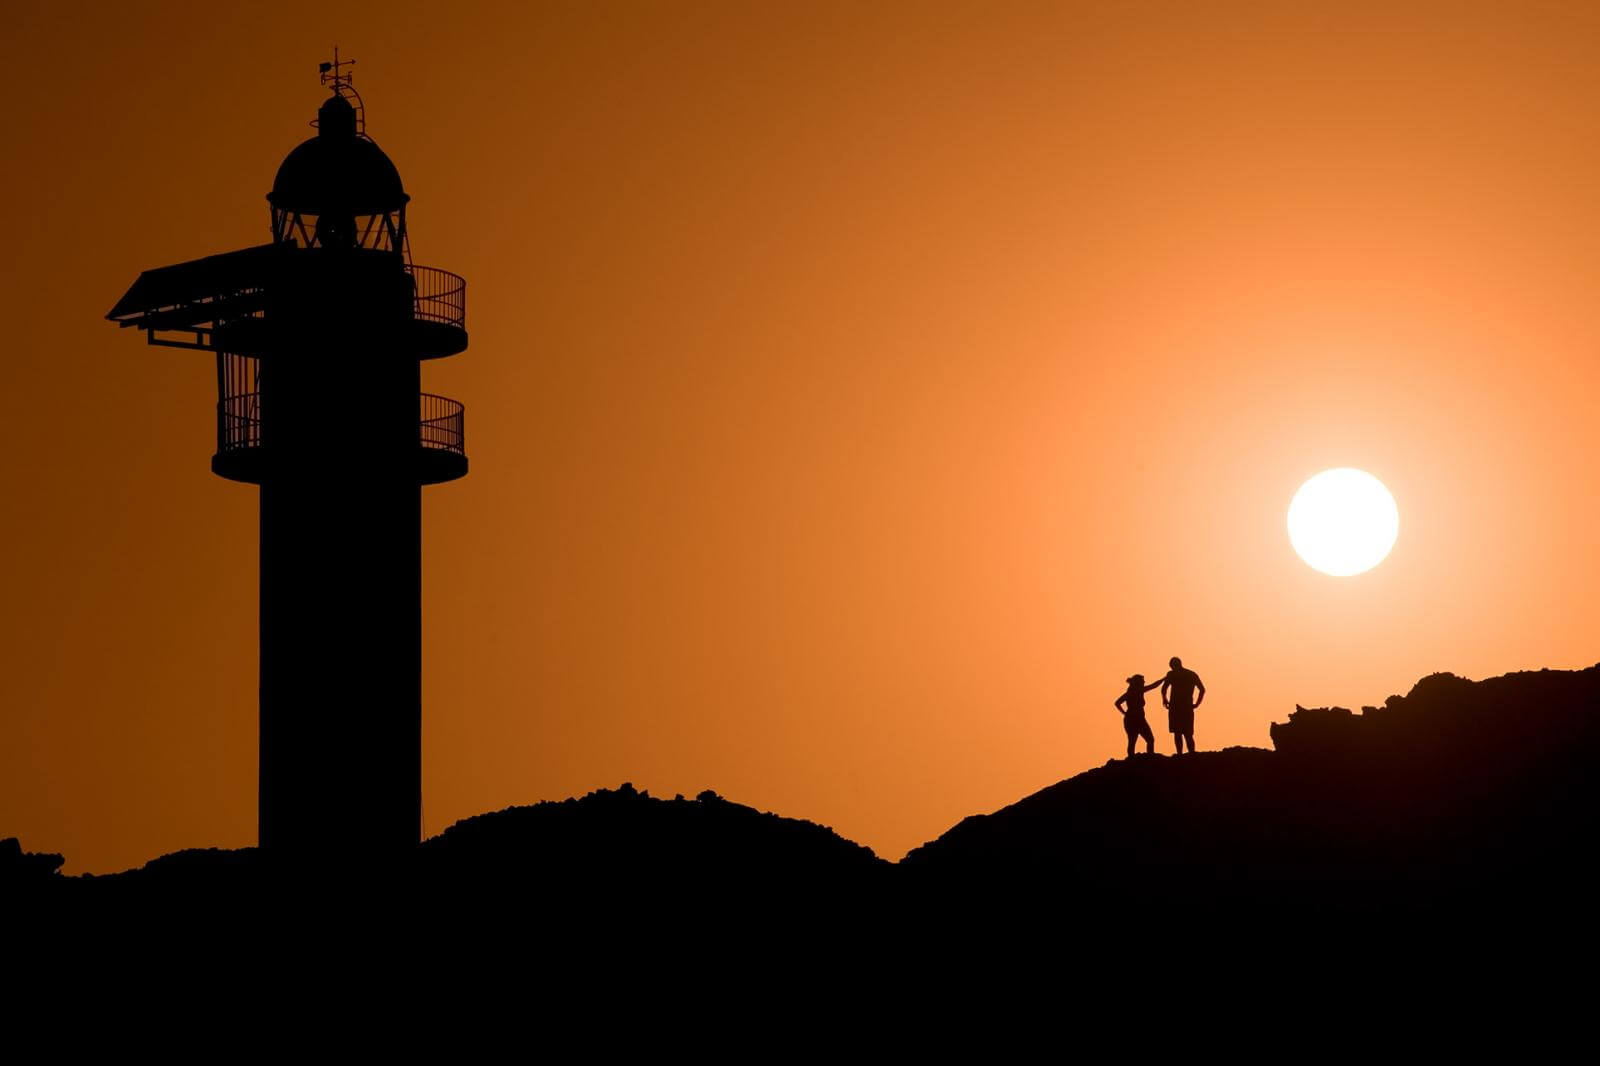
(319, 336)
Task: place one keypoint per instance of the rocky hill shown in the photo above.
(601, 842)
(628, 835)
(1456, 796)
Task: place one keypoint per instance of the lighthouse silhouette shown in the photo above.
(319, 338)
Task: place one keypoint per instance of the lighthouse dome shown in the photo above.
(338, 172)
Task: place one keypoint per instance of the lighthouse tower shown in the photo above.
(319, 338)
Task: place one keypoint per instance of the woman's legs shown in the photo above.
(1136, 729)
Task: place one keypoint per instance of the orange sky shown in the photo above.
(857, 393)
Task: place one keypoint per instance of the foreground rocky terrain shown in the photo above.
(1460, 797)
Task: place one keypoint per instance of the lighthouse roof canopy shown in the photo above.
(339, 171)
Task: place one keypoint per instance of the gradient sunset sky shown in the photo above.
(857, 394)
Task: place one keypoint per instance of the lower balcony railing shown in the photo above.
(442, 424)
(441, 436)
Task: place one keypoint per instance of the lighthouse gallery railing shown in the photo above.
(440, 295)
(442, 424)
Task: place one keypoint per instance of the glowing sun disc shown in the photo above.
(1343, 522)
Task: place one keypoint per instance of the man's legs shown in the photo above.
(1182, 725)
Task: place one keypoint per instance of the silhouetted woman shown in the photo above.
(1133, 717)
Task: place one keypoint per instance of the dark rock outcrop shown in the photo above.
(20, 868)
(1459, 795)
(628, 836)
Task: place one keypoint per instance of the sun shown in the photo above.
(1343, 522)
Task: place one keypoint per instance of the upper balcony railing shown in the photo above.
(440, 296)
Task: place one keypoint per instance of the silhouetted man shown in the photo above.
(1181, 692)
(1133, 717)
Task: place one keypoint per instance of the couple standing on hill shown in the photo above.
(1181, 692)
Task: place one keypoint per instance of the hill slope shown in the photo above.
(1456, 793)
(625, 833)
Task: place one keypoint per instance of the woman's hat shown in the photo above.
(1136, 679)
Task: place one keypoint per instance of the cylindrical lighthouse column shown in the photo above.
(341, 657)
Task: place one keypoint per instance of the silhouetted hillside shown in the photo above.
(1459, 796)
(192, 869)
(604, 840)
(628, 835)
(1460, 793)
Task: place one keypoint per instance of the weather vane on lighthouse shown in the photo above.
(332, 74)
(319, 336)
